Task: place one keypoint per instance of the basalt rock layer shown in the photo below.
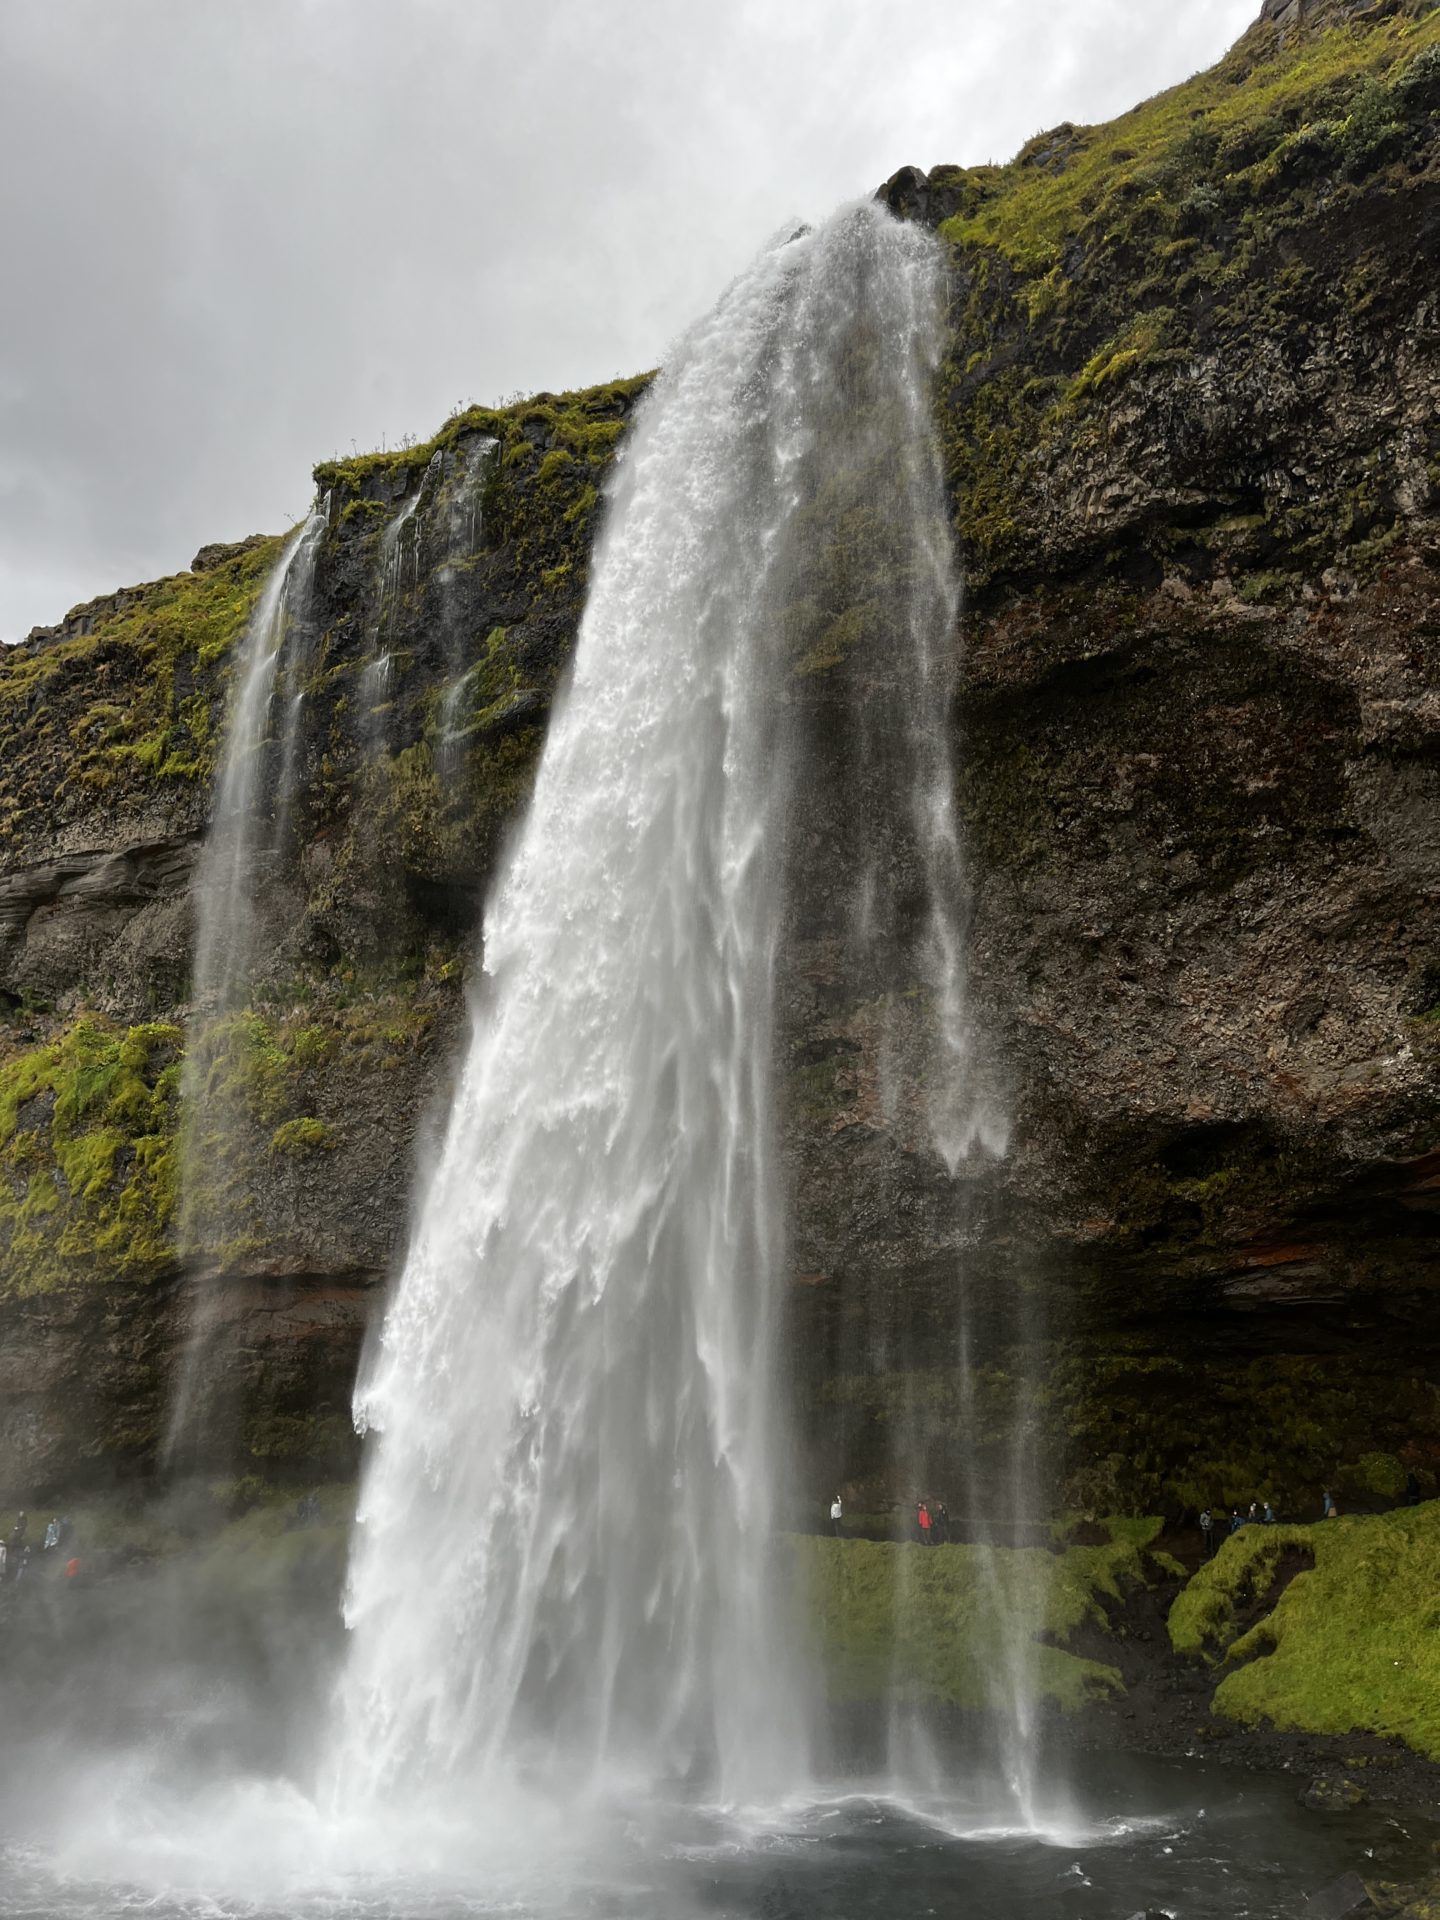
(1190, 417)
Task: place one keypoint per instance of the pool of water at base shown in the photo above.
(1182, 1839)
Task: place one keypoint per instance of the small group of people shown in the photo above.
(932, 1523)
(1260, 1514)
(16, 1552)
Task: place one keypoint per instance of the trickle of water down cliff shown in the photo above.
(246, 838)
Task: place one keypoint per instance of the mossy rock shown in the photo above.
(1351, 1646)
(89, 1157)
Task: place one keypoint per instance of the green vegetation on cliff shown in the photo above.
(1202, 220)
(542, 484)
(1129, 1422)
(1351, 1645)
(133, 701)
(274, 1089)
(933, 1624)
(88, 1170)
(1278, 110)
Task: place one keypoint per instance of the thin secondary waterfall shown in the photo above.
(225, 884)
(565, 1536)
(246, 831)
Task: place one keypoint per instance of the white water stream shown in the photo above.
(247, 830)
(566, 1542)
(567, 1569)
(226, 883)
(574, 1396)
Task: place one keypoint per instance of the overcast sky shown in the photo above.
(238, 236)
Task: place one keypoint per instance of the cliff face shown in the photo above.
(1189, 417)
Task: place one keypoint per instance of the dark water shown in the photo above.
(1186, 1840)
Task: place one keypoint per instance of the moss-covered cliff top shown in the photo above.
(585, 425)
(122, 693)
(1229, 229)
(122, 699)
(1280, 109)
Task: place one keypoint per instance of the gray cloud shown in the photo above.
(238, 238)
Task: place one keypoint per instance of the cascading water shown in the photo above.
(575, 1395)
(246, 834)
(907, 930)
(226, 882)
(875, 600)
(464, 522)
(397, 574)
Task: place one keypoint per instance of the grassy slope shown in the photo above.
(1353, 1645)
(1255, 123)
(925, 1624)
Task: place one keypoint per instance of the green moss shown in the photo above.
(553, 465)
(1139, 1421)
(88, 1157)
(935, 1624)
(1132, 246)
(1243, 113)
(116, 709)
(256, 1076)
(1145, 1425)
(1353, 1645)
(1202, 1619)
(304, 1135)
(580, 423)
(1138, 341)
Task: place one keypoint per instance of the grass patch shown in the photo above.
(1354, 1645)
(1202, 1620)
(933, 1623)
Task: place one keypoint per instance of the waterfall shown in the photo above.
(225, 884)
(247, 830)
(565, 1532)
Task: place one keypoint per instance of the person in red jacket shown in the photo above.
(922, 1515)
